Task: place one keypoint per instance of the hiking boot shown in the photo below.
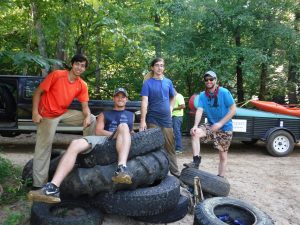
(49, 193)
(122, 176)
(192, 165)
(195, 164)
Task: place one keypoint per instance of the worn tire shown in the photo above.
(280, 143)
(145, 171)
(28, 168)
(210, 183)
(170, 216)
(141, 143)
(145, 201)
(207, 211)
(65, 213)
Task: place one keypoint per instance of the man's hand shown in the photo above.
(193, 130)
(216, 127)
(143, 126)
(87, 121)
(36, 118)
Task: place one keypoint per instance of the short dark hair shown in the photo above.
(156, 60)
(79, 58)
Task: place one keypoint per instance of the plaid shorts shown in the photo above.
(221, 139)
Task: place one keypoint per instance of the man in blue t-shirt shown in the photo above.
(219, 106)
(116, 124)
(158, 98)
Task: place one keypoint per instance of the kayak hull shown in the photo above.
(275, 108)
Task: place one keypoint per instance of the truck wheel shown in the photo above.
(210, 183)
(208, 212)
(8, 103)
(69, 212)
(280, 143)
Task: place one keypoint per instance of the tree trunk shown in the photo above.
(40, 34)
(98, 67)
(293, 68)
(239, 71)
(291, 85)
(263, 76)
(158, 40)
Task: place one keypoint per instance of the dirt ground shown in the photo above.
(270, 183)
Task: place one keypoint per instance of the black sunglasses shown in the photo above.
(209, 79)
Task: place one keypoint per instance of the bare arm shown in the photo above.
(100, 126)
(179, 107)
(36, 117)
(227, 117)
(144, 106)
(87, 114)
(172, 103)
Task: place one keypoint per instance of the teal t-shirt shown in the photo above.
(216, 112)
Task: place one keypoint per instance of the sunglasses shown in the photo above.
(209, 79)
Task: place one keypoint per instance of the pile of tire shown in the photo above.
(88, 191)
(217, 208)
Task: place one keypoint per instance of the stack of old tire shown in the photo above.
(154, 196)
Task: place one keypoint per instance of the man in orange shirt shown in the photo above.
(50, 104)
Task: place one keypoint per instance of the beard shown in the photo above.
(211, 87)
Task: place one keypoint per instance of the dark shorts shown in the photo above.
(221, 139)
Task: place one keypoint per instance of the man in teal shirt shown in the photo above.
(219, 106)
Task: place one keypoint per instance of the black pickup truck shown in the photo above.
(16, 105)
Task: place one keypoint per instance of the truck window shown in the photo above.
(30, 86)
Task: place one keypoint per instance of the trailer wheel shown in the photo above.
(280, 143)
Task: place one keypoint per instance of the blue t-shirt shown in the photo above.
(113, 118)
(159, 93)
(216, 113)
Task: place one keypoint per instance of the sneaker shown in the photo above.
(122, 176)
(192, 165)
(178, 152)
(49, 193)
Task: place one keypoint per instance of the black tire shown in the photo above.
(145, 171)
(65, 213)
(145, 201)
(28, 168)
(8, 103)
(207, 212)
(170, 216)
(280, 143)
(210, 183)
(141, 143)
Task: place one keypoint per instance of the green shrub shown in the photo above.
(10, 179)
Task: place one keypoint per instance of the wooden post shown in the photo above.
(198, 194)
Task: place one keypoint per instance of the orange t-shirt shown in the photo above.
(59, 93)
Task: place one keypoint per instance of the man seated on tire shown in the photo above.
(116, 124)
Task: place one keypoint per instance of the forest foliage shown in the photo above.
(252, 45)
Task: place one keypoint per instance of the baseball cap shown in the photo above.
(118, 90)
(210, 73)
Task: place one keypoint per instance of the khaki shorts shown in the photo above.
(93, 141)
(221, 139)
